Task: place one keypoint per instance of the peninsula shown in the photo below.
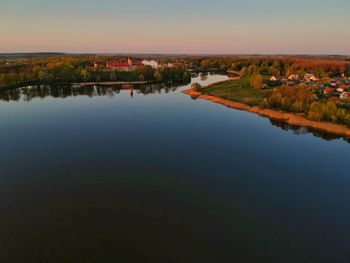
(237, 93)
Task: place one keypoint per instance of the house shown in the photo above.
(345, 96)
(333, 83)
(343, 86)
(265, 86)
(154, 64)
(129, 65)
(340, 90)
(328, 90)
(97, 65)
(310, 77)
(293, 77)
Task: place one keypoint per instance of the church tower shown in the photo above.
(129, 61)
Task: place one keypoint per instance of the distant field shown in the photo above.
(237, 90)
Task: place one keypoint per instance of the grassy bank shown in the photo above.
(238, 94)
(237, 90)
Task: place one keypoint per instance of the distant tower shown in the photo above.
(129, 61)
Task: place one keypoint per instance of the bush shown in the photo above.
(298, 106)
(330, 110)
(196, 86)
(346, 119)
(286, 103)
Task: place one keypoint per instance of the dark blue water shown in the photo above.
(98, 175)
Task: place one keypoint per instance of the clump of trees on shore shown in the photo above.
(301, 99)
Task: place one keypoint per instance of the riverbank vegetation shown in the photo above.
(74, 68)
(301, 100)
(316, 88)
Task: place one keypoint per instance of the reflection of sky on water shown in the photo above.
(127, 171)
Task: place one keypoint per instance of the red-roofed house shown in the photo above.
(129, 65)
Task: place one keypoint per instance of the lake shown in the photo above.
(147, 174)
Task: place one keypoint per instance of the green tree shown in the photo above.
(158, 76)
(22, 76)
(43, 76)
(85, 74)
(113, 76)
(347, 70)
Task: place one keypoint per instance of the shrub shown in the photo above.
(330, 110)
(196, 86)
(298, 106)
(314, 116)
(346, 119)
(286, 103)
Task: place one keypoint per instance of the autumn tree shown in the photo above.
(244, 72)
(257, 81)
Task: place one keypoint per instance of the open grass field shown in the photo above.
(237, 90)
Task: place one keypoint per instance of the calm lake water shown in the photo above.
(151, 175)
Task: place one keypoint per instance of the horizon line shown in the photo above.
(172, 53)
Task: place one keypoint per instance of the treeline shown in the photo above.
(272, 65)
(301, 99)
(78, 68)
(67, 69)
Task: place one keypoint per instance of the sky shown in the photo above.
(176, 26)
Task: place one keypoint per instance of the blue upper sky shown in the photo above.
(164, 26)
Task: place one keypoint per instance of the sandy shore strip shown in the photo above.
(273, 114)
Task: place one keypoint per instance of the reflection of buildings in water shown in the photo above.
(129, 89)
(203, 77)
(41, 91)
(95, 91)
(109, 92)
(131, 92)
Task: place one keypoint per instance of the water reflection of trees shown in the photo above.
(297, 130)
(59, 91)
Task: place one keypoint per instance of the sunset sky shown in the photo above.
(181, 26)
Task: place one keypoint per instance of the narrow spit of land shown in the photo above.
(248, 101)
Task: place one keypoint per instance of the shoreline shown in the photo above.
(108, 83)
(87, 84)
(289, 118)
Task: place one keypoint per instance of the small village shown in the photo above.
(323, 88)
